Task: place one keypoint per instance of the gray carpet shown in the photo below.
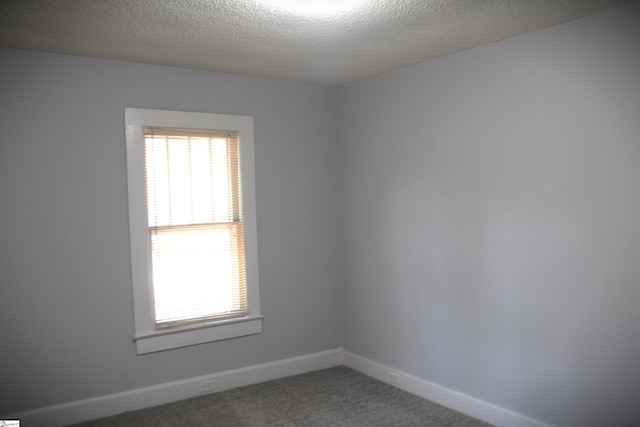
(339, 397)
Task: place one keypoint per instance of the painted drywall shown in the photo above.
(491, 211)
(66, 310)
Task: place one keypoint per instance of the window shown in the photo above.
(192, 227)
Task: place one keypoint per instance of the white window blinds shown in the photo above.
(194, 209)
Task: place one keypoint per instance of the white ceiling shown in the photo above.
(347, 41)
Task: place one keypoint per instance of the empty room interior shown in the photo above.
(446, 199)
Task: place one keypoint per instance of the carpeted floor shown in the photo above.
(335, 397)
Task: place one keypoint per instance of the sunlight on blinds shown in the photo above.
(196, 233)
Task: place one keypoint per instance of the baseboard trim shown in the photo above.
(104, 406)
(460, 402)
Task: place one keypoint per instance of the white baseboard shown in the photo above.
(104, 406)
(460, 402)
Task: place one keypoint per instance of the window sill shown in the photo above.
(197, 334)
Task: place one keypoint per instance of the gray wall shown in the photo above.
(492, 220)
(66, 310)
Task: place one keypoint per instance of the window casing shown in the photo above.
(192, 227)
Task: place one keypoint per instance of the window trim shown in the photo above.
(146, 337)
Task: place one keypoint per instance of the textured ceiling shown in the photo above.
(343, 43)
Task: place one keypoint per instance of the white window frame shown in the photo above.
(147, 338)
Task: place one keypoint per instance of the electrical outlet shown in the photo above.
(394, 378)
(206, 386)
